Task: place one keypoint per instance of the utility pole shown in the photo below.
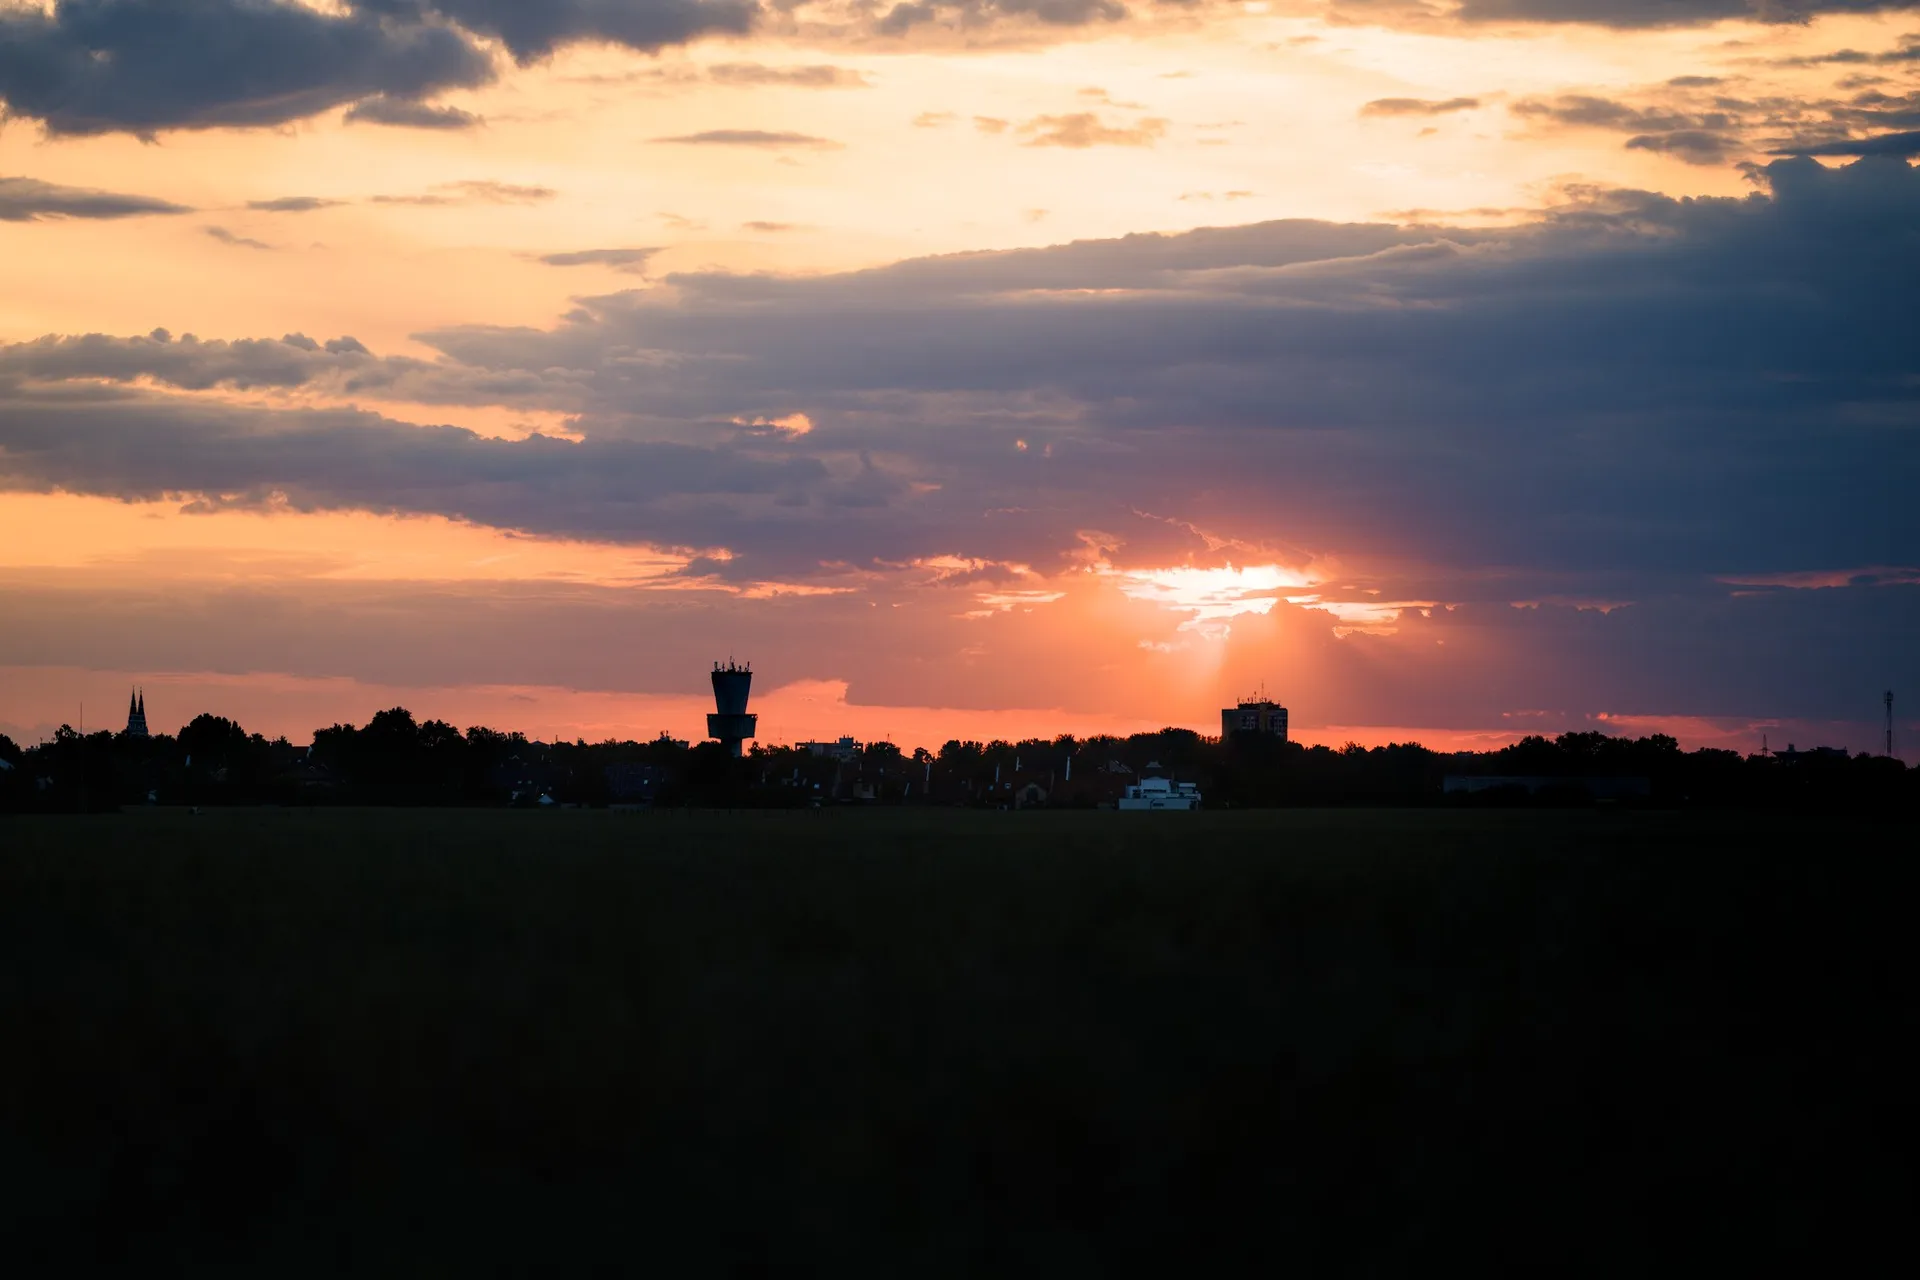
(1889, 702)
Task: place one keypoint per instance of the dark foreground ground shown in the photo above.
(293, 1043)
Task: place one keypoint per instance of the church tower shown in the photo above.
(137, 714)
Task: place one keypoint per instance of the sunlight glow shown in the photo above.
(1212, 596)
(993, 602)
(793, 424)
(1369, 617)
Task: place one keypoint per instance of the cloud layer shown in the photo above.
(146, 66)
(1627, 391)
(632, 260)
(140, 66)
(29, 200)
(1620, 14)
(770, 139)
(404, 114)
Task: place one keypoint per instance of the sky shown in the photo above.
(985, 368)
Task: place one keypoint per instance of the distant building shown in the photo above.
(1791, 755)
(1255, 715)
(845, 750)
(137, 714)
(1156, 791)
(1029, 795)
(631, 783)
(306, 775)
(731, 722)
(523, 779)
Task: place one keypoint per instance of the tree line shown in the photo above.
(395, 759)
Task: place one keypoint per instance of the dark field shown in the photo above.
(309, 1042)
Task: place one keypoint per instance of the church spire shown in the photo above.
(137, 714)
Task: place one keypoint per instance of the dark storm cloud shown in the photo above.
(751, 138)
(534, 28)
(1698, 129)
(144, 66)
(813, 77)
(1908, 50)
(1631, 14)
(1583, 111)
(292, 204)
(474, 192)
(235, 241)
(232, 457)
(185, 362)
(1885, 110)
(341, 366)
(1695, 146)
(141, 66)
(1630, 388)
(632, 260)
(405, 114)
(1623, 381)
(1417, 106)
(98, 66)
(903, 18)
(29, 199)
(1710, 128)
(1887, 144)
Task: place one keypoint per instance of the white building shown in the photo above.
(1157, 791)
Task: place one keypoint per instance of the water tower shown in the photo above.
(730, 722)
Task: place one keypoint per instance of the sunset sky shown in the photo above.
(974, 368)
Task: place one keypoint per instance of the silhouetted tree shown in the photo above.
(395, 760)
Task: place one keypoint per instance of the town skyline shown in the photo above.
(821, 703)
(399, 759)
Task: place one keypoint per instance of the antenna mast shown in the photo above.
(1889, 701)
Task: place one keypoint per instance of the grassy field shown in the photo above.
(908, 1043)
